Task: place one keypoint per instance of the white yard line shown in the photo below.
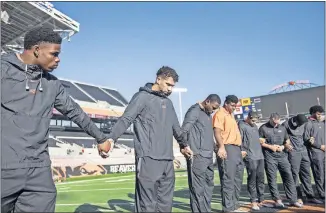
(93, 180)
(113, 189)
(127, 203)
(61, 188)
(108, 180)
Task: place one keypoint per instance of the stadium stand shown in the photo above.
(18, 17)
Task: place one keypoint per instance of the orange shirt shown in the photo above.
(225, 121)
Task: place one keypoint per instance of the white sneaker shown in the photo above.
(256, 208)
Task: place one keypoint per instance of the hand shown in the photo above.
(288, 147)
(221, 153)
(244, 154)
(312, 140)
(322, 147)
(262, 140)
(105, 147)
(187, 152)
(280, 148)
(274, 148)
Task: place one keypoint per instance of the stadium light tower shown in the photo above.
(180, 90)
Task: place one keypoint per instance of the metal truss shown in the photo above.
(17, 18)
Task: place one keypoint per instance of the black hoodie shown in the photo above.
(250, 141)
(155, 124)
(26, 113)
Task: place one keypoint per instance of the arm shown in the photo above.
(286, 142)
(308, 134)
(244, 144)
(177, 131)
(218, 125)
(262, 139)
(4, 69)
(65, 105)
(134, 108)
(189, 121)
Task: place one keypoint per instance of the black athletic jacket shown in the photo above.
(250, 141)
(198, 131)
(26, 114)
(314, 129)
(155, 124)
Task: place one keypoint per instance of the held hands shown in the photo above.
(262, 140)
(322, 147)
(187, 152)
(275, 148)
(289, 147)
(244, 154)
(312, 140)
(221, 153)
(105, 148)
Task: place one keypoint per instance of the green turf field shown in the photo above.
(115, 192)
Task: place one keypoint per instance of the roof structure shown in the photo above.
(292, 85)
(93, 93)
(18, 17)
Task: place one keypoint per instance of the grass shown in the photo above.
(115, 192)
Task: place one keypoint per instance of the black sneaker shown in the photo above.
(314, 200)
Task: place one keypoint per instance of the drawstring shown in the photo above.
(40, 88)
(26, 85)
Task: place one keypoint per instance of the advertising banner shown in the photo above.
(245, 101)
(246, 109)
(60, 173)
(238, 109)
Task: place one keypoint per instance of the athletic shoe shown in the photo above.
(314, 200)
(296, 204)
(279, 204)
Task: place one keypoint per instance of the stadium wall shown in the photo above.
(297, 101)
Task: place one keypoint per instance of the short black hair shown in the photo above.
(214, 98)
(275, 115)
(231, 99)
(41, 35)
(166, 72)
(316, 108)
(253, 114)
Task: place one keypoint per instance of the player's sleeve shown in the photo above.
(136, 105)
(286, 135)
(68, 107)
(261, 132)
(190, 119)
(307, 134)
(244, 140)
(177, 131)
(219, 121)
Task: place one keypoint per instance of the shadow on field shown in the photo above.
(86, 207)
(120, 205)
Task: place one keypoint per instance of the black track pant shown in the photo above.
(272, 164)
(317, 159)
(255, 180)
(231, 176)
(300, 167)
(201, 183)
(155, 181)
(27, 190)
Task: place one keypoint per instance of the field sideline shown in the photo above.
(115, 193)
